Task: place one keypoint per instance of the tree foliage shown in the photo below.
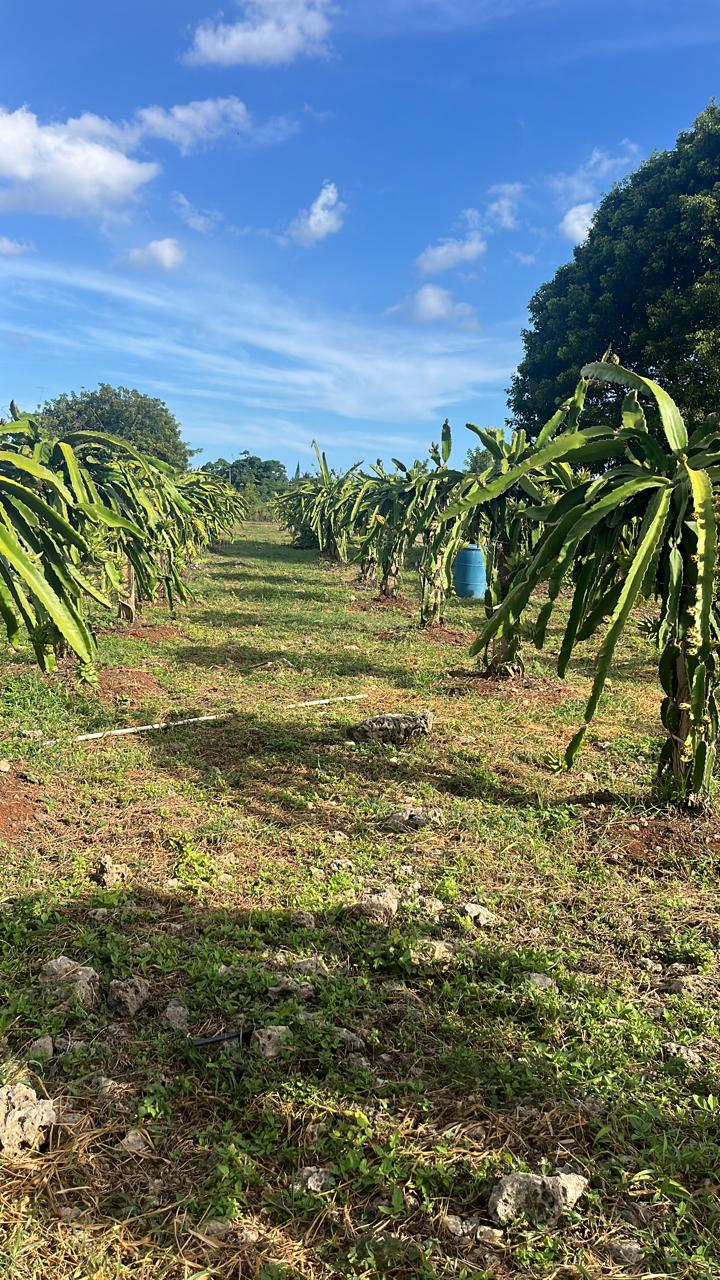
(259, 480)
(646, 283)
(141, 421)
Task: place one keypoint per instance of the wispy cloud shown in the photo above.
(596, 174)
(325, 217)
(502, 209)
(203, 220)
(577, 192)
(253, 351)
(13, 248)
(268, 33)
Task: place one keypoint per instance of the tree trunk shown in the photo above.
(390, 580)
(127, 603)
(432, 607)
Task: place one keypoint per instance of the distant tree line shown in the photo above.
(258, 480)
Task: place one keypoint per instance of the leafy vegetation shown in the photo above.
(646, 281)
(87, 520)
(644, 527)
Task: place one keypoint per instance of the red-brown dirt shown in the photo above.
(130, 685)
(17, 806)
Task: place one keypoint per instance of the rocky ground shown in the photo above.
(284, 996)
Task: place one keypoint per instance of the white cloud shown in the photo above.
(165, 255)
(525, 259)
(269, 33)
(202, 220)
(452, 252)
(13, 248)
(503, 208)
(55, 168)
(576, 223)
(85, 165)
(325, 216)
(432, 304)
(593, 177)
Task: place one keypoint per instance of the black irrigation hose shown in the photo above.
(244, 1034)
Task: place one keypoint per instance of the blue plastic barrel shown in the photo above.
(469, 572)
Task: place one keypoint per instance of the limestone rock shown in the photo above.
(176, 1014)
(135, 1143)
(270, 1041)
(410, 818)
(289, 989)
(349, 1039)
(542, 1200)
(380, 907)
(313, 1178)
(128, 995)
(480, 915)
(627, 1253)
(392, 727)
(670, 1049)
(71, 981)
(109, 874)
(542, 981)
(24, 1119)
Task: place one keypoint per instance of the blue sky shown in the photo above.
(299, 218)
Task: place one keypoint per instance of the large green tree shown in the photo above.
(646, 283)
(142, 421)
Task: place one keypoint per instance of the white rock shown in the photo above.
(23, 1118)
(313, 1178)
(670, 1049)
(480, 915)
(176, 1014)
(72, 981)
(270, 1041)
(542, 1200)
(381, 907)
(128, 995)
(303, 920)
(135, 1143)
(349, 1039)
(313, 965)
(541, 980)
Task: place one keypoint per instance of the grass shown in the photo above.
(232, 833)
